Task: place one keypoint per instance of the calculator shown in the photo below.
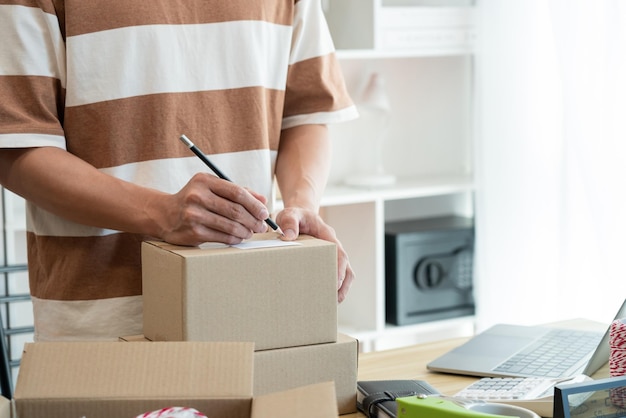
(534, 393)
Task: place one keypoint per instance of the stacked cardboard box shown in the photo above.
(240, 333)
(281, 296)
(111, 379)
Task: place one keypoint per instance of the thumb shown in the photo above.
(289, 222)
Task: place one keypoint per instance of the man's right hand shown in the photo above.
(210, 209)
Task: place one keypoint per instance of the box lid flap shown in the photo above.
(218, 248)
(312, 401)
(114, 370)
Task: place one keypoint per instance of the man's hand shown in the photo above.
(295, 221)
(210, 209)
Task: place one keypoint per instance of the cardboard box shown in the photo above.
(313, 401)
(287, 368)
(6, 407)
(134, 339)
(274, 296)
(109, 379)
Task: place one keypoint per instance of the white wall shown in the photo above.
(551, 192)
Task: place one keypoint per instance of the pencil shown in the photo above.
(220, 174)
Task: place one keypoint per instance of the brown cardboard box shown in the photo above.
(276, 297)
(108, 379)
(134, 338)
(313, 401)
(6, 406)
(286, 368)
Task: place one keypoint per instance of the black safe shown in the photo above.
(428, 269)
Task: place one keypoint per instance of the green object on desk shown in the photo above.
(436, 407)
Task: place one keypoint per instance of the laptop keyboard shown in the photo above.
(553, 354)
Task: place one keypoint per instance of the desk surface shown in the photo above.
(410, 363)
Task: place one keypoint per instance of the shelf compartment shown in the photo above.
(358, 25)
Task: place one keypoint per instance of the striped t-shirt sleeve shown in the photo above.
(32, 75)
(315, 91)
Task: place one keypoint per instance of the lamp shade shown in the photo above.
(375, 108)
(374, 95)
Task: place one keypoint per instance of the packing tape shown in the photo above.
(617, 359)
(173, 412)
(617, 344)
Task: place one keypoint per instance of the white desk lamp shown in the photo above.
(373, 105)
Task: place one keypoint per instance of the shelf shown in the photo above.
(404, 189)
(396, 330)
(367, 28)
(423, 50)
(365, 54)
(397, 336)
(430, 326)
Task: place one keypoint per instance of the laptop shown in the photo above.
(506, 350)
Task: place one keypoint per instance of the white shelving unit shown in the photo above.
(15, 304)
(424, 54)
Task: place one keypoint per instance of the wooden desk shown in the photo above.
(410, 363)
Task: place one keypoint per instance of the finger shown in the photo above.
(257, 196)
(247, 203)
(232, 202)
(345, 276)
(206, 225)
(232, 225)
(289, 221)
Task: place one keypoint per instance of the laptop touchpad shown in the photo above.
(493, 346)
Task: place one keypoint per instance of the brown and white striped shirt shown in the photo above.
(116, 82)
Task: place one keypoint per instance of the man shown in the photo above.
(94, 96)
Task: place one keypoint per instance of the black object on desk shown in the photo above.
(376, 397)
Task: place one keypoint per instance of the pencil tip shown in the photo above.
(280, 231)
(186, 140)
